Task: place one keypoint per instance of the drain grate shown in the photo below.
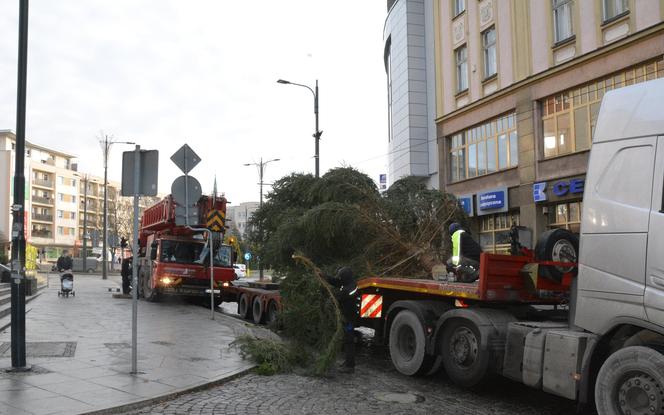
(42, 349)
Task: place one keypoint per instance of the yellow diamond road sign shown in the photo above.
(215, 221)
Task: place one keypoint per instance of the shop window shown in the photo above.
(495, 232)
(569, 118)
(566, 216)
(484, 149)
(562, 20)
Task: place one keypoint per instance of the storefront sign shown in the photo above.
(466, 202)
(492, 201)
(560, 188)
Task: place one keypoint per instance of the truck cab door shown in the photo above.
(654, 293)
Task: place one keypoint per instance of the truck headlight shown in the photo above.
(166, 280)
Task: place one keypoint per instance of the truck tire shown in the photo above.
(465, 360)
(272, 312)
(631, 381)
(557, 245)
(408, 343)
(150, 294)
(244, 307)
(257, 310)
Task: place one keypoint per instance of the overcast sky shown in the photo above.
(166, 72)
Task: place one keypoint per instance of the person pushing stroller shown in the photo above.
(64, 266)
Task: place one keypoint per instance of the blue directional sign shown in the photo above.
(247, 256)
(466, 202)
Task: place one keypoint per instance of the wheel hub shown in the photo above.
(407, 342)
(463, 347)
(641, 394)
(563, 251)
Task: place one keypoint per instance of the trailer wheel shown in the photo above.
(631, 381)
(243, 307)
(408, 343)
(149, 293)
(465, 360)
(557, 245)
(257, 310)
(272, 312)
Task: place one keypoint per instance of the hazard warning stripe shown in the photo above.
(372, 305)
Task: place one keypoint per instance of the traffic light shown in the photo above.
(123, 242)
(231, 240)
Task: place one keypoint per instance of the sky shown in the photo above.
(163, 73)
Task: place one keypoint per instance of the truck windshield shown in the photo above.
(180, 252)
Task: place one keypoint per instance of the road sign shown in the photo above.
(215, 220)
(185, 159)
(247, 256)
(181, 215)
(186, 190)
(149, 173)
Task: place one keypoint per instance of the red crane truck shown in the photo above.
(174, 259)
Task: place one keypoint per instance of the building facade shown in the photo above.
(240, 216)
(518, 89)
(54, 198)
(410, 67)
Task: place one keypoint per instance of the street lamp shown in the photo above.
(317, 132)
(261, 170)
(106, 147)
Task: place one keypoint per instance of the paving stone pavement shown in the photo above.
(179, 347)
(374, 388)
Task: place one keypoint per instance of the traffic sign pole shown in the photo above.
(134, 264)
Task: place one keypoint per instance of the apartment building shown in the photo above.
(54, 198)
(240, 216)
(518, 89)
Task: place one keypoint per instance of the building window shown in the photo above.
(60, 214)
(388, 63)
(461, 55)
(484, 149)
(61, 197)
(613, 8)
(495, 232)
(489, 47)
(566, 216)
(459, 7)
(569, 118)
(61, 230)
(562, 20)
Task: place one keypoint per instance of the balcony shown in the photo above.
(43, 183)
(41, 233)
(42, 218)
(42, 200)
(49, 162)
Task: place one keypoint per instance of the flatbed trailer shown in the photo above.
(256, 300)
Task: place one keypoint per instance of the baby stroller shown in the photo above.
(66, 284)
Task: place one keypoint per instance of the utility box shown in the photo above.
(30, 286)
(563, 358)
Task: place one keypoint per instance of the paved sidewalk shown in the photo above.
(87, 339)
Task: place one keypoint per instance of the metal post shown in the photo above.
(18, 209)
(317, 133)
(134, 264)
(211, 274)
(260, 204)
(85, 223)
(104, 258)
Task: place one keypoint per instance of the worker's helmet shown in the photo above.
(454, 226)
(345, 274)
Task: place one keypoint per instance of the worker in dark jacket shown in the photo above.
(465, 253)
(348, 299)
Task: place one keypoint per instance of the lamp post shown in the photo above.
(106, 143)
(261, 170)
(317, 132)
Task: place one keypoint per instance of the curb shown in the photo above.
(171, 395)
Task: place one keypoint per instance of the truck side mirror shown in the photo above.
(153, 251)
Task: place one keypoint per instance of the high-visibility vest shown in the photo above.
(456, 247)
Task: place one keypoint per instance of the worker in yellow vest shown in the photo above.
(465, 260)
